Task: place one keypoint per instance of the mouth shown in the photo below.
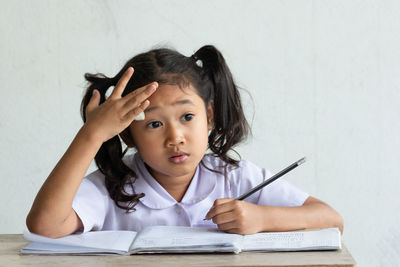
(178, 157)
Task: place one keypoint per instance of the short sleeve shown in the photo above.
(279, 193)
(90, 202)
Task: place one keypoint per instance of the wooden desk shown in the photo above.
(10, 246)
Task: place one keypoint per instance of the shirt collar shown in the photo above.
(156, 197)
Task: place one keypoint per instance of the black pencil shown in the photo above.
(273, 178)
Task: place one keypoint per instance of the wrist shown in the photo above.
(269, 218)
(90, 136)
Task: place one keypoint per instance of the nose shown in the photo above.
(175, 136)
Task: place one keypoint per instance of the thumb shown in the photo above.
(222, 201)
(93, 102)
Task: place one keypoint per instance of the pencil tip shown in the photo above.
(302, 161)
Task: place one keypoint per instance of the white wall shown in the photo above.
(324, 75)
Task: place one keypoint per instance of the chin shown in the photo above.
(178, 171)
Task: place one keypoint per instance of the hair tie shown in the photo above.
(197, 60)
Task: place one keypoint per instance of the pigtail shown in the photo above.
(230, 124)
(101, 83)
(109, 157)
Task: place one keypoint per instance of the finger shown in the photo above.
(120, 87)
(220, 206)
(139, 95)
(225, 217)
(131, 116)
(222, 201)
(140, 90)
(229, 226)
(134, 101)
(93, 102)
(233, 231)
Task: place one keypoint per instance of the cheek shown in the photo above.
(140, 139)
(200, 133)
(148, 149)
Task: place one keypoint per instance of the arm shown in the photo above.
(51, 213)
(242, 217)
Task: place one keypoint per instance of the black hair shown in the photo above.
(207, 72)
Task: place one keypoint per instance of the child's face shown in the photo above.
(173, 138)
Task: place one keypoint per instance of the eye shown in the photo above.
(154, 124)
(187, 117)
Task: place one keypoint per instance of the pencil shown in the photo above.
(273, 178)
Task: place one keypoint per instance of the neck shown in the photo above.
(175, 186)
(176, 189)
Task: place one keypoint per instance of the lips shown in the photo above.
(178, 157)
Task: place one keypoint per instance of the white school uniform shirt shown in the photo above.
(98, 211)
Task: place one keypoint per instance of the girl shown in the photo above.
(191, 104)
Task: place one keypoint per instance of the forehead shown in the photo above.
(170, 95)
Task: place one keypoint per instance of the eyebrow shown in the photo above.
(179, 102)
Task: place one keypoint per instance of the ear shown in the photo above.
(210, 115)
(127, 138)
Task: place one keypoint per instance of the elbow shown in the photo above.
(340, 223)
(334, 220)
(44, 224)
(31, 223)
(337, 220)
(36, 225)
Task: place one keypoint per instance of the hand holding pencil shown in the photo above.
(241, 217)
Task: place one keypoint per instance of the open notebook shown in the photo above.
(178, 239)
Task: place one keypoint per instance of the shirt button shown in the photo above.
(178, 210)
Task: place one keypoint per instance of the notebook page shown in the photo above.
(291, 241)
(179, 237)
(47, 248)
(102, 240)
